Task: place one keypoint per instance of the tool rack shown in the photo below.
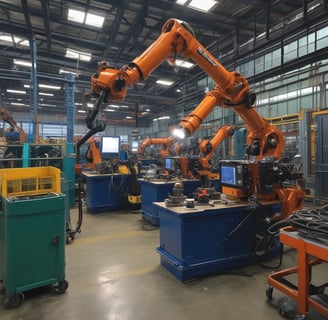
(309, 254)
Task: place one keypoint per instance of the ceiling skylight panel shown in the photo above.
(203, 5)
(90, 19)
(74, 54)
(76, 15)
(94, 20)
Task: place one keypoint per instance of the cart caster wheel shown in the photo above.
(69, 239)
(287, 307)
(268, 293)
(60, 287)
(14, 301)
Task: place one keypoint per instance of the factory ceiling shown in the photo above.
(46, 30)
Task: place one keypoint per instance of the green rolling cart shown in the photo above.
(32, 232)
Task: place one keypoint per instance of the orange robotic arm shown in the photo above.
(231, 91)
(263, 139)
(207, 147)
(166, 142)
(6, 117)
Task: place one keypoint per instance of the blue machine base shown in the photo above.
(198, 270)
(197, 243)
(151, 218)
(100, 209)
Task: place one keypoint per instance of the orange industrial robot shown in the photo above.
(6, 117)
(265, 175)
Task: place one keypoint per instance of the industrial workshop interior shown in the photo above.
(163, 159)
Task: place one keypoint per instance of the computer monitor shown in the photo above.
(171, 164)
(168, 164)
(109, 147)
(134, 146)
(228, 175)
(235, 175)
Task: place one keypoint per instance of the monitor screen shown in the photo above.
(134, 146)
(168, 164)
(110, 146)
(228, 175)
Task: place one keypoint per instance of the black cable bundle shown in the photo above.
(311, 224)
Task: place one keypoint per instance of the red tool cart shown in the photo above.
(309, 254)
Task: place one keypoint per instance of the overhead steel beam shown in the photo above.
(129, 34)
(268, 22)
(46, 21)
(114, 30)
(27, 17)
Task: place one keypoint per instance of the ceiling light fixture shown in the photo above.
(184, 64)
(49, 86)
(22, 63)
(46, 94)
(63, 71)
(165, 82)
(16, 91)
(47, 105)
(17, 104)
(162, 118)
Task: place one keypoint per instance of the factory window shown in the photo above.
(322, 38)
(51, 130)
(306, 101)
(268, 61)
(311, 42)
(274, 109)
(272, 59)
(290, 51)
(264, 111)
(276, 54)
(303, 46)
(202, 84)
(124, 139)
(247, 68)
(292, 106)
(259, 64)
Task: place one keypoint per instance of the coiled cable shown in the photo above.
(311, 224)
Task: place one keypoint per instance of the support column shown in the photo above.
(70, 106)
(33, 94)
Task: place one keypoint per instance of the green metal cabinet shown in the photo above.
(32, 245)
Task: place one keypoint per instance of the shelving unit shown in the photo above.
(309, 254)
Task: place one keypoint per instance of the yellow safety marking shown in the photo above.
(138, 272)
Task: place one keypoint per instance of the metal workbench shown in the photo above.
(195, 242)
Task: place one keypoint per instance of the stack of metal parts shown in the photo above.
(177, 198)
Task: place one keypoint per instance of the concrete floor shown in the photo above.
(114, 273)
